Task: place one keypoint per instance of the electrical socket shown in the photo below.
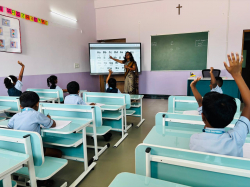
(76, 65)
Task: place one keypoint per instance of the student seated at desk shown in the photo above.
(73, 99)
(30, 119)
(216, 83)
(111, 84)
(52, 81)
(218, 111)
(13, 84)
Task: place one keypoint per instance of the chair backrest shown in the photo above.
(191, 168)
(12, 102)
(81, 92)
(206, 73)
(183, 121)
(179, 104)
(14, 140)
(72, 111)
(51, 93)
(107, 98)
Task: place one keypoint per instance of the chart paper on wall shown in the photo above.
(10, 35)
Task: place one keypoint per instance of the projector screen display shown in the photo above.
(100, 63)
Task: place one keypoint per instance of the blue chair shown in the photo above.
(179, 104)
(134, 180)
(191, 168)
(114, 110)
(69, 138)
(30, 143)
(10, 101)
(49, 93)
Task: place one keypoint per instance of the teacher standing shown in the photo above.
(131, 74)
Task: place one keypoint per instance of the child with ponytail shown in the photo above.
(13, 84)
(52, 81)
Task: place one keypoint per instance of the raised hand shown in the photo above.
(20, 63)
(111, 57)
(193, 84)
(235, 64)
(110, 71)
(211, 70)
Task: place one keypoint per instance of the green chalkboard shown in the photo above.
(179, 51)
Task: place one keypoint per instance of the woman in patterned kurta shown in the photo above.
(131, 74)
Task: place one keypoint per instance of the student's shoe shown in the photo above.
(107, 136)
(46, 183)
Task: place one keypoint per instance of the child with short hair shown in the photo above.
(111, 84)
(13, 84)
(218, 112)
(52, 81)
(216, 82)
(30, 119)
(73, 99)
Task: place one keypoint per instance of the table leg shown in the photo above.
(7, 181)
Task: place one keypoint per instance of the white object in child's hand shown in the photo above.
(246, 150)
(61, 124)
(191, 112)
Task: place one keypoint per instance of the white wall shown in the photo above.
(137, 20)
(55, 48)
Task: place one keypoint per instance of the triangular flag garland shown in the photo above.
(24, 16)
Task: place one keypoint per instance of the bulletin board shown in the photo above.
(10, 35)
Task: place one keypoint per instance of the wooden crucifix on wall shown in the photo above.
(179, 7)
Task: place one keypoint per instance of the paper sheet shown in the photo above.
(96, 104)
(246, 150)
(60, 124)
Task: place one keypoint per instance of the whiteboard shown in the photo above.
(10, 35)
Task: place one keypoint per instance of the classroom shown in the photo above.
(124, 93)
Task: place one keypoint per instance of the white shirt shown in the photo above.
(58, 88)
(19, 85)
(107, 86)
(74, 99)
(228, 143)
(217, 89)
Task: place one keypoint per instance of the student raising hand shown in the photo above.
(20, 63)
(234, 68)
(196, 93)
(22, 70)
(235, 64)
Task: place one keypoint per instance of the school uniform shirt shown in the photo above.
(58, 88)
(74, 99)
(16, 90)
(227, 143)
(29, 120)
(217, 89)
(107, 87)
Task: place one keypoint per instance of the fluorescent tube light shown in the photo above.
(72, 19)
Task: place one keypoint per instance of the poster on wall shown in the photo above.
(10, 35)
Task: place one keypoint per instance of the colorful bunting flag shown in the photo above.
(18, 14)
(24, 16)
(13, 12)
(31, 18)
(8, 10)
(27, 17)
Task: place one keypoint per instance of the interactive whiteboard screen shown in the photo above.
(99, 53)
